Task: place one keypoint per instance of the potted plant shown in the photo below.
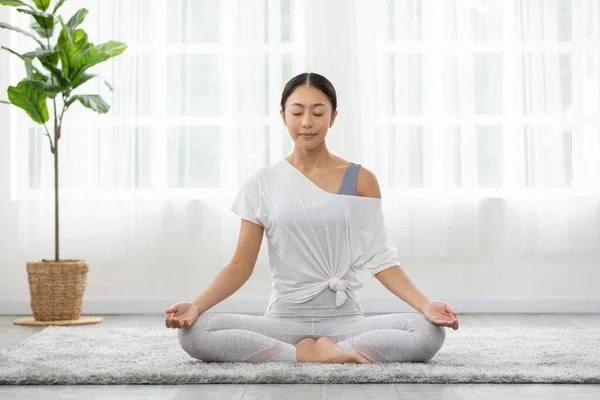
(54, 72)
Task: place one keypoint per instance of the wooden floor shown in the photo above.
(11, 334)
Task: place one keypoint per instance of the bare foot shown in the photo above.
(325, 350)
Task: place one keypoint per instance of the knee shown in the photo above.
(433, 338)
(193, 339)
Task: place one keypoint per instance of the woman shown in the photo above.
(323, 219)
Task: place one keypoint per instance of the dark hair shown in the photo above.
(312, 79)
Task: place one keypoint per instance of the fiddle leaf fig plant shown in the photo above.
(59, 64)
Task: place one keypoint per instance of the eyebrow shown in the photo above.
(302, 105)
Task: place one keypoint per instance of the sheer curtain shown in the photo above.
(194, 114)
(480, 119)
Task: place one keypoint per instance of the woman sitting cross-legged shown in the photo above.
(324, 222)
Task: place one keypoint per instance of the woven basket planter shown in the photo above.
(56, 289)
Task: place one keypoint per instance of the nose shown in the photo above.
(306, 121)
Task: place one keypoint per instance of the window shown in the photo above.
(196, 100)
(487, 93)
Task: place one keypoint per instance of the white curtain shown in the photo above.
(480, 119)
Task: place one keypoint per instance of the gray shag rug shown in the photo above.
(86, 355)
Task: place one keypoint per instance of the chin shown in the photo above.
(307, 146)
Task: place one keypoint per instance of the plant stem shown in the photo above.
(57, 127)
(56, 226)
(56, 209)
(49, 139)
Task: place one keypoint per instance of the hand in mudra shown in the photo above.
(181, 315)
(441, 314)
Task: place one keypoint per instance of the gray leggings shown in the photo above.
(247, 338)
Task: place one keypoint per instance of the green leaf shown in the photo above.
(78, 55)
(44, 33)
(21, 31)
(42, 4)
(32, 72)
(48, 89)
(12, 51)
(76, 20)
(49, 56)
(112, 48)
(58, 74)
(41, 81)
(40, 53)
(52, 56)
(14, 3)
(65, 47)
(26, 96)
(44, 20)
(92, 101)
(90, 56)
(83, 78)
(57, 6)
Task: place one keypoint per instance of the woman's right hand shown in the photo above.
(181, 315)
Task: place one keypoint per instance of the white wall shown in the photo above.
(147, 273)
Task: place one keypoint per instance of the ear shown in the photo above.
(282, 116)
(333, 119)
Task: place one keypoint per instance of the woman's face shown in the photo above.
(308, 116)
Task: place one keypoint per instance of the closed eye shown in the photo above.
(316, 115)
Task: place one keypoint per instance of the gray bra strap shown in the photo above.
(348, 185)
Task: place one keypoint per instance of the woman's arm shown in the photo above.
(393, 278)
(239, 270)
(396, 280)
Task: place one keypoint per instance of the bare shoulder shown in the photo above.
(367, 184)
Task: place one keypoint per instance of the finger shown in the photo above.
(167, 321)
(449, 318)
(172, 309)
(451, 310)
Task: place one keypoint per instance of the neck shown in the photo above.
(319, 157)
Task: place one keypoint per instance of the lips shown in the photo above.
(307, 134)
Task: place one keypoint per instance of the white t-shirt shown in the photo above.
(316, 239)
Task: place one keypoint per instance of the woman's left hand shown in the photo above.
(441, 314)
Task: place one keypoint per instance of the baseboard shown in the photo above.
(258, 304)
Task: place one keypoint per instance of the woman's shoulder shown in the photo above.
(367, 184)
(366, 181)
